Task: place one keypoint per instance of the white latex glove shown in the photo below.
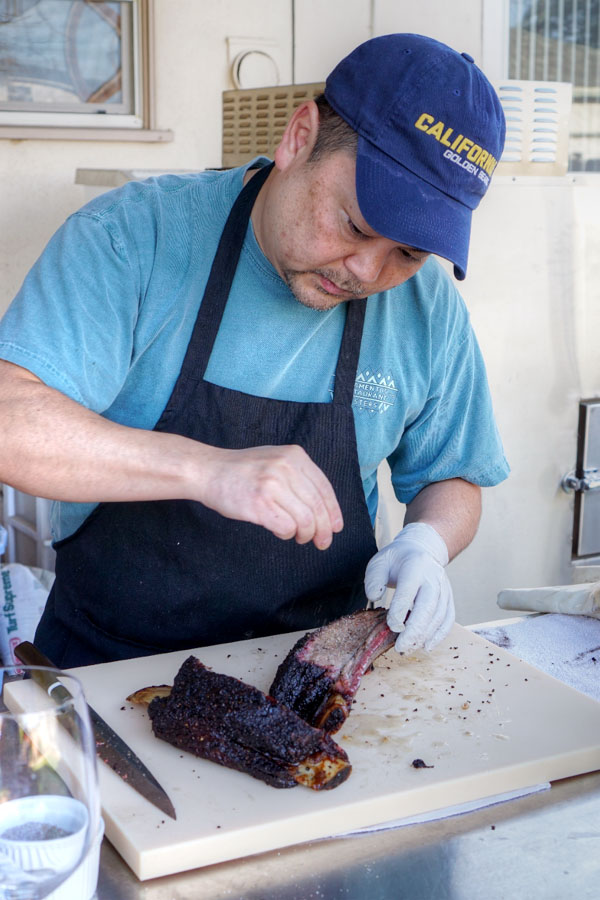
(413, 563)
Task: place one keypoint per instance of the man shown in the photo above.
(189, 369)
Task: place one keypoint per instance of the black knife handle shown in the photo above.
(31, 656)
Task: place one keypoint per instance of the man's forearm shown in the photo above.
(452, 507)
(52, 447)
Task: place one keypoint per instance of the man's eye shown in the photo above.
(413, 257)
(352, 227)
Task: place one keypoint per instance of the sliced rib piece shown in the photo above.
(220, 718)
(321, 674)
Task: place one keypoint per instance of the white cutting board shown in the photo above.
(487, 722)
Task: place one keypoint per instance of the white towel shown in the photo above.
(565, 646)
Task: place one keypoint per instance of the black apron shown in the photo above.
(139, 578)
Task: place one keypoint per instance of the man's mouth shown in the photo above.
(331, 287)
(347, 291)
(303, 285)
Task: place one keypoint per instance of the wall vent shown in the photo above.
(537, 127)
(254, 119)
(537, 117)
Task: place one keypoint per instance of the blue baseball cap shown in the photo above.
(430, 133)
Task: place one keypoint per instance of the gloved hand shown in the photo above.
(414, 563)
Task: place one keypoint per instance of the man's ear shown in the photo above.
(299, 136)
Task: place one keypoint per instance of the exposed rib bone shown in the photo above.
(321, 674)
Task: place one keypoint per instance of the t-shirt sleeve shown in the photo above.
(455, 435)
(72, 323)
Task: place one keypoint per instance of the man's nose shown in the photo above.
(369, 261)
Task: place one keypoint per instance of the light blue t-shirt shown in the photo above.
(106, 314)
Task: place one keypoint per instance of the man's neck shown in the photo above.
(257, 214)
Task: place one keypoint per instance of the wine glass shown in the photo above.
(49, 799)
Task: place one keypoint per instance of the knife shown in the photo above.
(110, 748)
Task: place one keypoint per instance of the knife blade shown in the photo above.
(110, 748)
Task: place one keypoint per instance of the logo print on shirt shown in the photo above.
(374, 392)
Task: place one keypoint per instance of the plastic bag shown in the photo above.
(23, 594)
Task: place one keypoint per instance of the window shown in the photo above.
(559, 40)
(75, 64)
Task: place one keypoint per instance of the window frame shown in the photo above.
(495, 36)
(138, 126)
(496, 64)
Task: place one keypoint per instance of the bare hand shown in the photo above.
(279, 488)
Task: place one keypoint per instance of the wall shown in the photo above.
(533, 290)
(37, 178)
(533, 284)
(326, 32)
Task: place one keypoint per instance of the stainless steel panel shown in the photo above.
(543, 847)
(586, 536)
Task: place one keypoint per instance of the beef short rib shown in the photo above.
(220, 718)
(321, 674)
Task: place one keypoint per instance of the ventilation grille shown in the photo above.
(537, 127)
(537, 118)
(254, 119)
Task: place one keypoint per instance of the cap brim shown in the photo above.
(399, 205)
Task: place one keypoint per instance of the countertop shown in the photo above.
(544, 845)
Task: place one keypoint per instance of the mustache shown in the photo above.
(349, 284)
(352, 285)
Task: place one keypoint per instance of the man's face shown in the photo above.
(318, 241)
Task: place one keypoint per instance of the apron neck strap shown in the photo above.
(222, 274)
(347, 364)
